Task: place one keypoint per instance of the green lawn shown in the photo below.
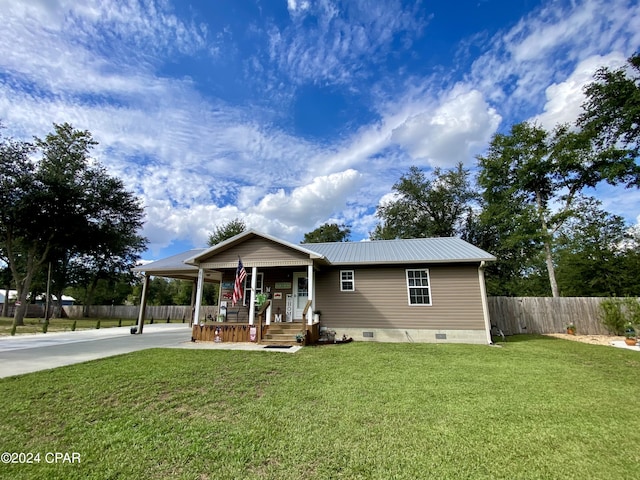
(536, 408)
(34, 325)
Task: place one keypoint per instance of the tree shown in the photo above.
(611, 117)
(112, 243)
(427, 207)
(531, 180)
(329, 232)
(22, 248)
(591, 253)
(226, 231)
(5, 284)
(64, 205)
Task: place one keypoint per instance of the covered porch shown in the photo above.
(277, 301)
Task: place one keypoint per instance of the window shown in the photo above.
(247, 287)
(347, 283)
(418, 287)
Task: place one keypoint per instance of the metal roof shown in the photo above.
(172, 263)
(241, 237)
(173, 266)
(423, 250)
(415, 250)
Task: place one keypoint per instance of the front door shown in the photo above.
(300, 294)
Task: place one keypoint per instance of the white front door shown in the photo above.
(300, 293)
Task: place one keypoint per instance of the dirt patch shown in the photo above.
(592, 339)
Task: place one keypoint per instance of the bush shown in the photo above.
(73, 326)
(632, 305)
(613, 317)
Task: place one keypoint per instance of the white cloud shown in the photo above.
(333, 47)
(198, 162)
(565, 99)
(296, 6)
(451, 132)
(307, 204)
(521, 63)
(287, 215)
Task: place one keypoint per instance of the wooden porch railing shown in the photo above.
(304, 312)
(264, 307)
(231, 331)
(226, 331)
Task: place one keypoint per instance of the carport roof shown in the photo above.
(173, 266)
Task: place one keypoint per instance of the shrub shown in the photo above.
(97, 324)
(632, 305)
(73, 326)
(613, 317)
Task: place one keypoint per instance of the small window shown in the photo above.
(418, 287)
(247, 287)
(347, 283)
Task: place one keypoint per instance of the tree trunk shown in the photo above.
(547, 247)
(21, 308)
(57, 305)
(551, 269)
(5, 305)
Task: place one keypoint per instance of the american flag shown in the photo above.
(241, 274)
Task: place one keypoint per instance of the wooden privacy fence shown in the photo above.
(512, 314)
(547, 315)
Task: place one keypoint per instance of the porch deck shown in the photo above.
(281, 333)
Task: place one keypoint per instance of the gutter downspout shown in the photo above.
(485, 304)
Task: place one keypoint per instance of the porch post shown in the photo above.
(252, 300)
(311, 286)
(143, 303)
(193, 301)
(268, 313)
(196, 314)
(220, 301)
(485, 304)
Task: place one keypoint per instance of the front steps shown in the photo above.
(283, 333)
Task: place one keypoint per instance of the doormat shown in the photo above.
(277, 346)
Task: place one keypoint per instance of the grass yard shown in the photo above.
(34, 325)
(536, 408)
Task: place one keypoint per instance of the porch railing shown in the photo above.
(226, 332)
(305, 311)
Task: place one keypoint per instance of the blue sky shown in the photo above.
(292, 113)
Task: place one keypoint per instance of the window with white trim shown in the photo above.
(347, 281)
(418, 286)
(247, 286)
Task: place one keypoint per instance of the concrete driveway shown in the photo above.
(31, 353)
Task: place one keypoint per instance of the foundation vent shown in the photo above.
(367, 334)
(441, 336)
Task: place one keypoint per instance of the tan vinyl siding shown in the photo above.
(381, 299)
(258, 250)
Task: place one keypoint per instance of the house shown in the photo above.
(415, 290)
